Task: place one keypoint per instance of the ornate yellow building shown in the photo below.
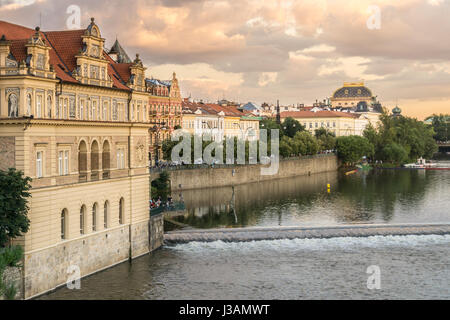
(77, 122)
(165, 113)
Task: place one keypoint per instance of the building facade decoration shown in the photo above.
(76, 121)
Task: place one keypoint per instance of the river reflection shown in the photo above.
(379, 196)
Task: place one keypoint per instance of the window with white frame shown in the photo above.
(81, 109)
(60, 163)
(65, 108)
(38, 106)
(66, 162)
(63, 162)
(105, 111)
(39, 166)
(94, 110)
(64, 224)
(120, 159)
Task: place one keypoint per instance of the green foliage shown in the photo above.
(269, 124)
(303, 143)
(14, 194)
(167, 147)
(352, 148)
(394, 153)
(9, 291)
(395, 135)
(291, 126)
(326, 139)
(307, 144)
(441, 126)
(286, 149)
(9, 257)
(161, 186)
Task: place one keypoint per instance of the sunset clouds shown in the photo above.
(295, 51)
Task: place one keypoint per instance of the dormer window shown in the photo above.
(40, 61)
(95, 51)
(94, 72)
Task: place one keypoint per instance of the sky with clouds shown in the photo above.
(296, 51)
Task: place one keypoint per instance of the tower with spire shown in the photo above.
(118, 54)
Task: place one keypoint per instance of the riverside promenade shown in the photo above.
(280, 233)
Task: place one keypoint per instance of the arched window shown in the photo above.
(105, 215)
(94, 217)
(83, 219)
(106, 159)
(64, 224)
(13, 106)
(121, 210)
(94, 160)
(82, 160)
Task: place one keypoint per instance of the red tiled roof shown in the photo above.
(18, 50)
(318, 114)
(211, 108)
(15, 32)
(65, 46)
(115, 76)
(123, 69)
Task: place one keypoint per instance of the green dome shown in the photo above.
(396, 110)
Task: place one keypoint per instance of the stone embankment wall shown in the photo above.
(223, 176)
(156, 226)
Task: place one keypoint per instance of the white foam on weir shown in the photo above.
(319, 244)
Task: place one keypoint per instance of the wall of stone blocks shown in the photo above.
(235, 175)
(7, 153)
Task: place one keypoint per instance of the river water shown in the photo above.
(411, 267)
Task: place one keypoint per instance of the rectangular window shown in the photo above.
(66, 162)
(65, 109)
(39, 106)
(39, 158)
(60, 163)
(120, 159)
(81, 109)
(94, 110)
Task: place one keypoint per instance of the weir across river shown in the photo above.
(279, 233)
